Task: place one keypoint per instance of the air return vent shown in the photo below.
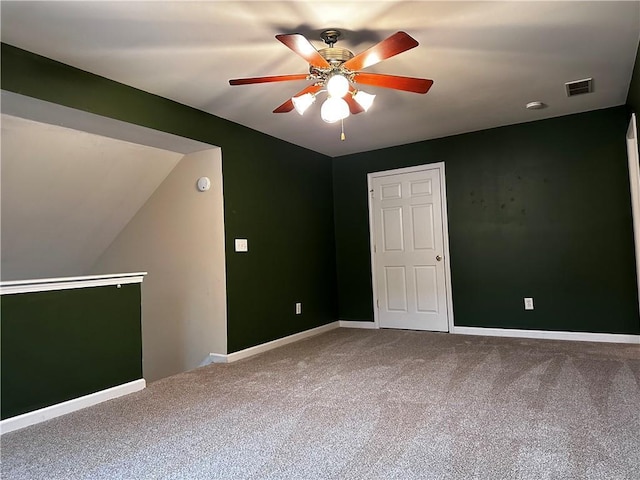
(579, 87)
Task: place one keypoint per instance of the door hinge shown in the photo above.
(378, 303)
(374, 249)
(371, 192)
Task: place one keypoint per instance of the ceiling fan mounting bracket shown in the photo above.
(331, 36)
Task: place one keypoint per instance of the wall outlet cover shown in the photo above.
(242, 245)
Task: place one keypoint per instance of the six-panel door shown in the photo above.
(408, 257)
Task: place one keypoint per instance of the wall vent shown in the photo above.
(579, 87)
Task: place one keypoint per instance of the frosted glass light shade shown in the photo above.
(365, 100)
(334, 109)
(303, 102)
(338, 86)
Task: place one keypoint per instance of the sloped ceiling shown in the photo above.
(488, 59)
(66, 194)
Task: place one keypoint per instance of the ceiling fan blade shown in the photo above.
(397, 43)
(299, 44)
(275, 78)
(288, 105)
(408, 84)
(354, 107)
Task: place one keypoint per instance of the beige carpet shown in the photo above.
(362, 404)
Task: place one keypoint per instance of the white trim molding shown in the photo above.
(633, 156)
(43, 414)
(251, 351)
(66, 283)
(477, 331)
(548, 335)
(358, 324)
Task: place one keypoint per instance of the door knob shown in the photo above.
(438, 257)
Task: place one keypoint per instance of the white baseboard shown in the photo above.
(43, 414)
(548, 334)
(491, 332)
(249, 352)
(352, 324)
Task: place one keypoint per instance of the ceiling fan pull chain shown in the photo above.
(342, 137)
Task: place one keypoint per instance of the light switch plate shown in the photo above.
(528, 303)
(242, 245)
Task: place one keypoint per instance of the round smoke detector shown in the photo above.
(536, 105)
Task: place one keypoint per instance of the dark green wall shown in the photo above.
(564, 239)
(64, 344)
(276, 194)
(539, 210)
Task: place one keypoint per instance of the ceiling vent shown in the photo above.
(579, 87)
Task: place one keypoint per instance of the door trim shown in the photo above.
(633, 156)
(445, 234)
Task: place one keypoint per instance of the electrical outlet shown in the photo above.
(528, 303)
(242, 245)
(298, 308)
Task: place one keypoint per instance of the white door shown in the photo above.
(409, 265)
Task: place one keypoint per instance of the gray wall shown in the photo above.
(66, 194)
(633, 97)
(178, 238)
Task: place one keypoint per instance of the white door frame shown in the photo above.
(634, 182)
(445, 234)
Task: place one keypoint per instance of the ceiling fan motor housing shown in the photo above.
(336, 55)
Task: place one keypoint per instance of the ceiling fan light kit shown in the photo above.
(303, 102)
(364, 99)
(337, 85)
(334, 109)
(335, 70)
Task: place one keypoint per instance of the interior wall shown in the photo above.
(39, 369)
(633, 97)
(177, 237)
(280, 200)
(538, 210)
(66, 194)
(277, 195)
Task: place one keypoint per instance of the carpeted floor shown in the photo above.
(362, 404)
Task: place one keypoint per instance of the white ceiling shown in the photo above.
(487, 59)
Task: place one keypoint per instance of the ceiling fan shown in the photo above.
(336, 70)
